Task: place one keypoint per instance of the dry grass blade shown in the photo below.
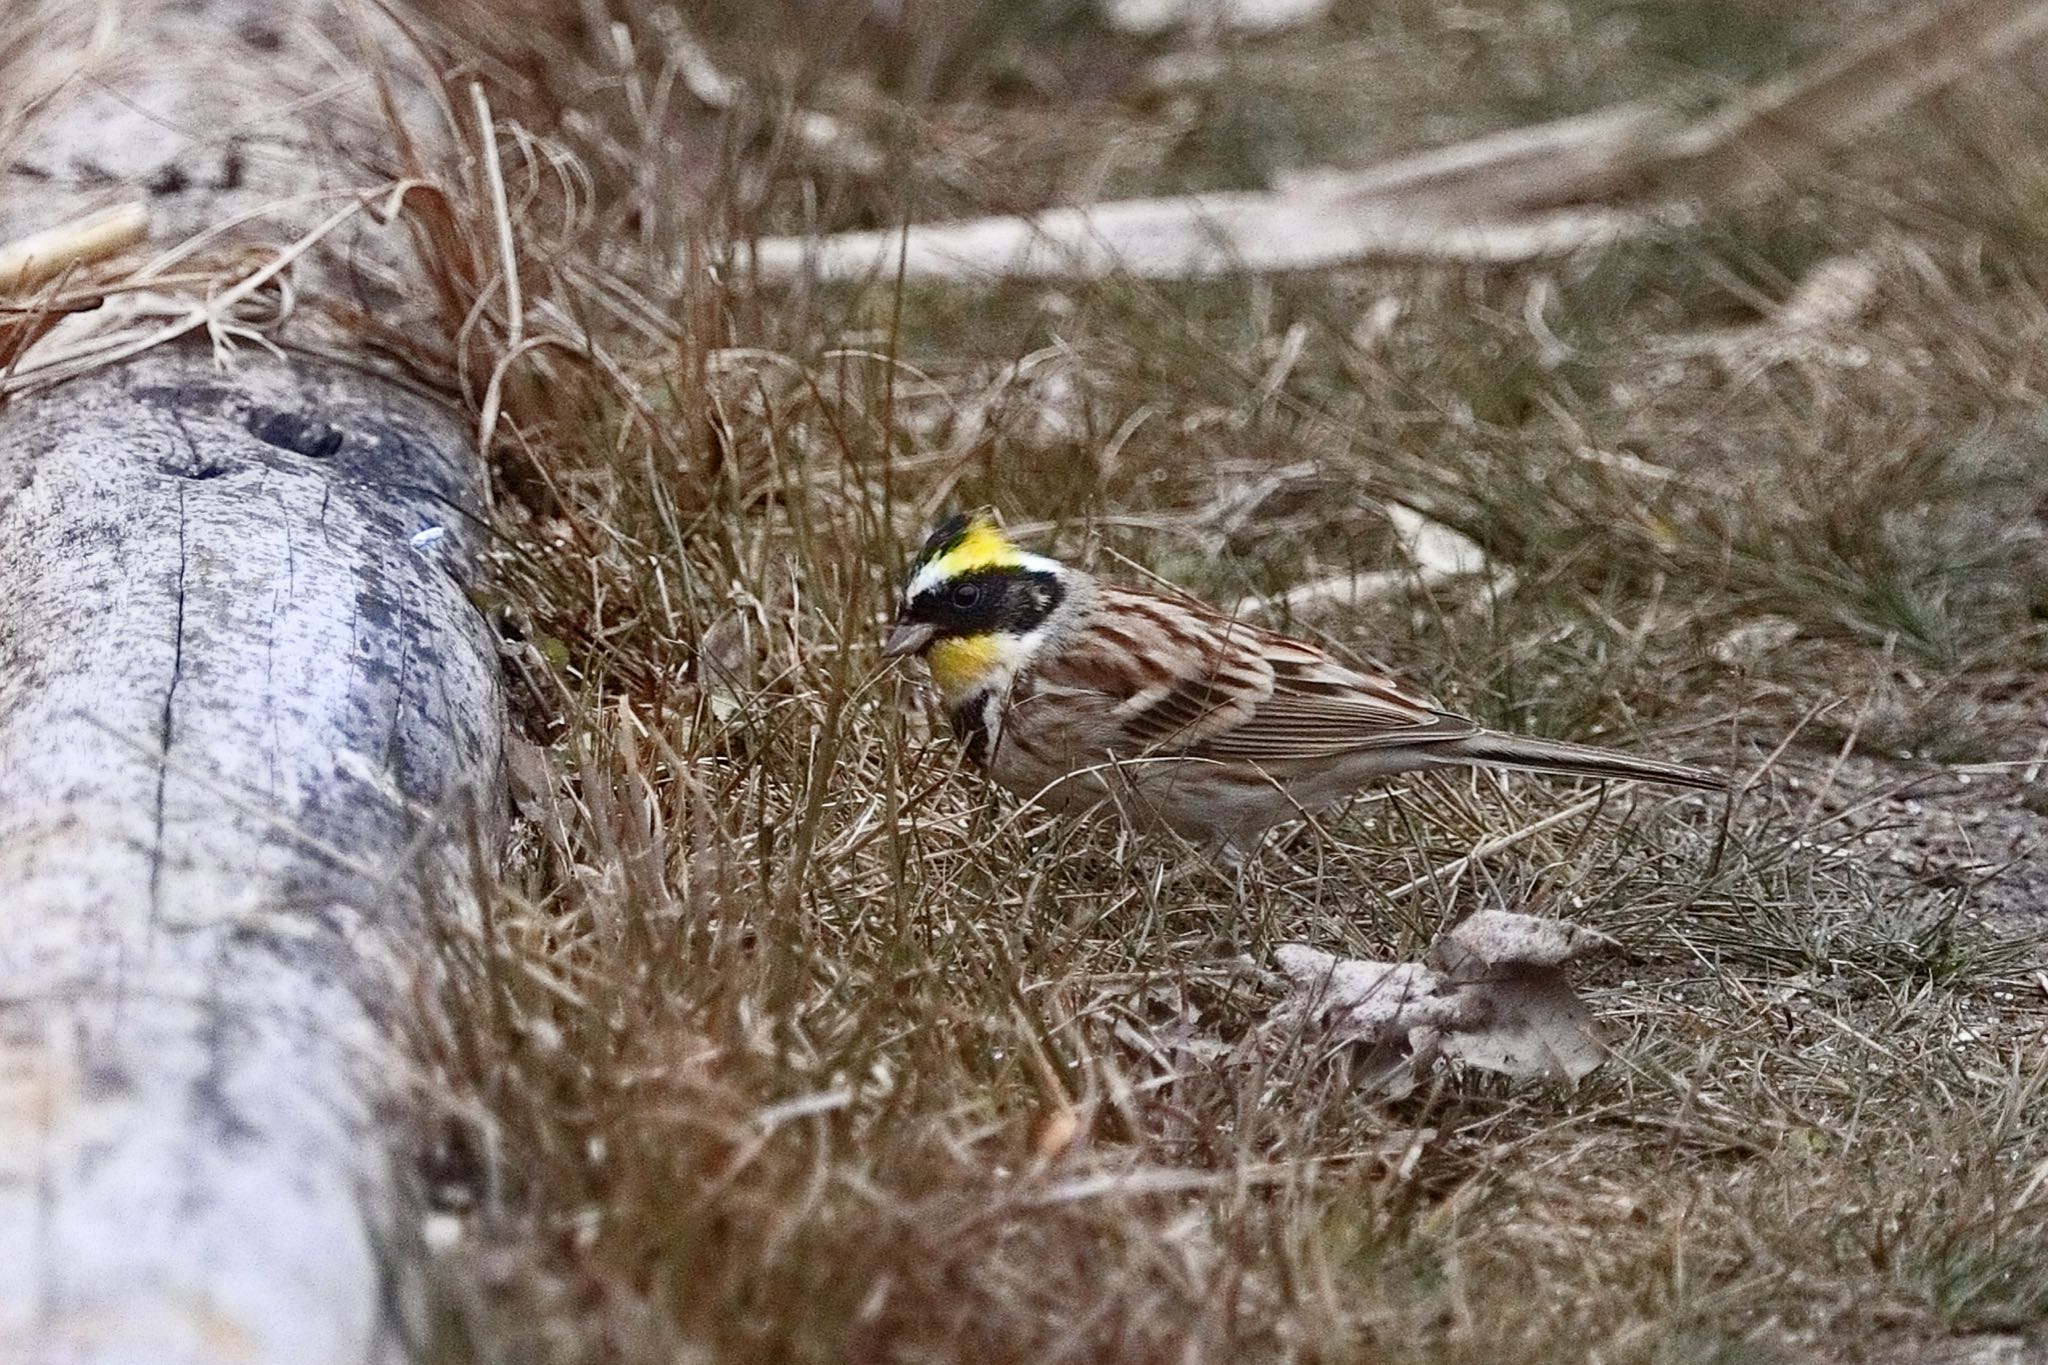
(42, 256)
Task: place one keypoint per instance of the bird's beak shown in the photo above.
(909, 637)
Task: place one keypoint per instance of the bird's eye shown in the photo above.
(967, 595)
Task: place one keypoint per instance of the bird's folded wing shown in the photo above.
(1292, 727)
(1244, 694)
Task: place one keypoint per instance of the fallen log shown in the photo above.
(250, 724)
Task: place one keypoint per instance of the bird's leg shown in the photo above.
(1233, 857)
(1295, 865)
(1226, 852)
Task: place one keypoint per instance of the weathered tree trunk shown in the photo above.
(249, 723)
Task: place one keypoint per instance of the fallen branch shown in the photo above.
(1506, 197)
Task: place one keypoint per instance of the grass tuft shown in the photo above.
(783, 1038)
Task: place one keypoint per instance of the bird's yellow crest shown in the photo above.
(966, 543)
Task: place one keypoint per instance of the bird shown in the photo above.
(1079, 693)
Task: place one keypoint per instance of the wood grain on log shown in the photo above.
(238, 671)
(249, 723)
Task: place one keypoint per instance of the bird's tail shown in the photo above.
(1493, 750)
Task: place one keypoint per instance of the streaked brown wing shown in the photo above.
(1184, 679)
(1318, 727)
(1176, 672)
(1320, 708)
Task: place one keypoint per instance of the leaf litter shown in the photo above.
(1492, 993)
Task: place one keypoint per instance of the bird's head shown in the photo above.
(976, 607)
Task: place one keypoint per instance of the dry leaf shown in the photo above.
(1392, 1013)
(531, 778)
(728, 663)
(1536, 1029)
(1364, 1001)
(1495, 939)
(1834, 292)
(1751, 642)
(1492, 994)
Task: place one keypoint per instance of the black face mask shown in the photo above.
(1006, 601)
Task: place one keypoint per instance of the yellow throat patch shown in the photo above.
(961, 665)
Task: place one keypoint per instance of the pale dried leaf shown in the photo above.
(728, 663)
(1438, 551)
(1835, 291)
(1753, 641)
(1492, 995)
(1498, 940)
(1535, 1028)
(531, 776)
(1364, 1001)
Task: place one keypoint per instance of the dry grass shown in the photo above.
(784, 1039)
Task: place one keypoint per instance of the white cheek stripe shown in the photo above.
(1040, 564)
